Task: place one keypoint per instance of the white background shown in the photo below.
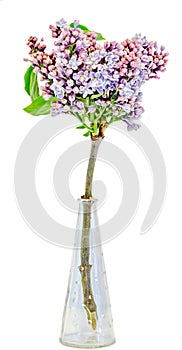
(144, 272)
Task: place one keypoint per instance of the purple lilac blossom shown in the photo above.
(79, 67)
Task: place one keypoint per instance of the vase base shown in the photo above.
(92, 343)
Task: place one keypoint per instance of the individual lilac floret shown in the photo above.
(62, 23)
(97, 81)
(91, 109)
(58, 108)
(125, 91)
(81, 77)
(93, 59)
(58, 90)
(85, 90)
(112, 59)
(74, 63)
(78, 107)
(76, 23)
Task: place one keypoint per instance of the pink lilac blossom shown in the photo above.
(87, 77)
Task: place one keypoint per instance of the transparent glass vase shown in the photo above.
(87, 318)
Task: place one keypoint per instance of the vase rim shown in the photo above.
(87, 200)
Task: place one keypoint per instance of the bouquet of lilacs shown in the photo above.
(97, 83)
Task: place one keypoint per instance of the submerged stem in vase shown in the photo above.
(85, 267)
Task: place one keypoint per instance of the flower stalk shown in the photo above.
(89, 303)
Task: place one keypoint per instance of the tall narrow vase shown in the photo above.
(87, 319)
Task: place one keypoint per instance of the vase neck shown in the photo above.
(87, 205)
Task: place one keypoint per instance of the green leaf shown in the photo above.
(31, 83)
(27, 79)
(40, 106)
(85, 29)
(100, 37)
(86, 134)
(80, 98)
(87, 101)
(95, 105)
(81, 26)
(34, 87)
(80, 127)
(93, 97)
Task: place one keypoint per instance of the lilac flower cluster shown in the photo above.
(97, 83)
